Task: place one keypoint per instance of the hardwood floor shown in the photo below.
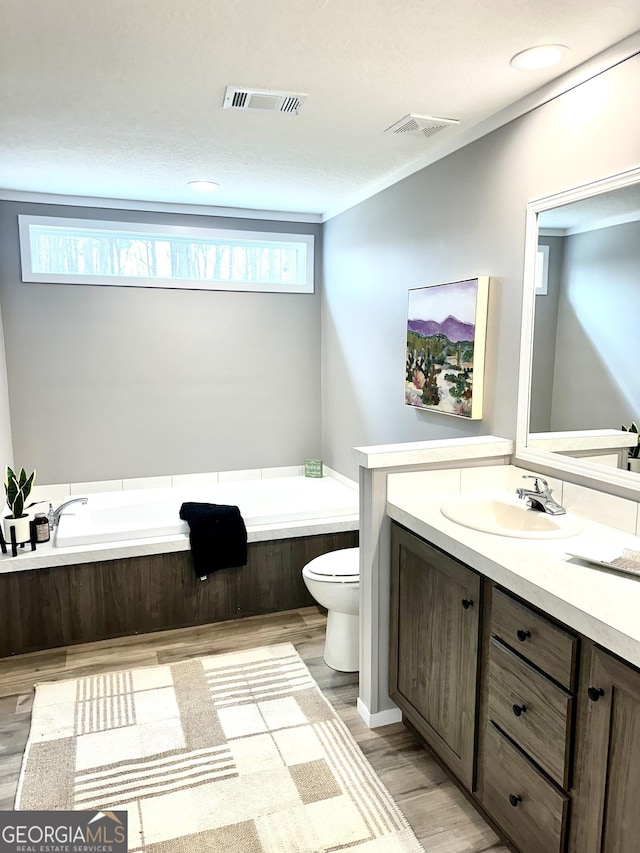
(441, 817)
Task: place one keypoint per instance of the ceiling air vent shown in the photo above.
(426, 125)
(261, 99)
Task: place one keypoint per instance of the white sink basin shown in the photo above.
(508, 516)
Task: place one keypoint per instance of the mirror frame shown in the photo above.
(613, 480)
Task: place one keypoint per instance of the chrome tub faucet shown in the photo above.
(54, 515)
(540, 496)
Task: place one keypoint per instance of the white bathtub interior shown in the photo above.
(145, 513)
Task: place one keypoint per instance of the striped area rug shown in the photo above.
(237, 752)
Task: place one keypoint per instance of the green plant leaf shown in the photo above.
(17, 489)
(8, 475)
(11, 488)
(29, 484)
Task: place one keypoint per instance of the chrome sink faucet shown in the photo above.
(540, 496)
(54, 520)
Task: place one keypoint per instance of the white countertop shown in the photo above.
(47, 555)
(601, 605)
(586, 439)
(436, 452)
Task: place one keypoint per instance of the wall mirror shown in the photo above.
(579, 376)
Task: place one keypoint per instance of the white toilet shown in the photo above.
(333, 579)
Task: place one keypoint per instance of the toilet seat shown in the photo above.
(332, 578)
(341, 566)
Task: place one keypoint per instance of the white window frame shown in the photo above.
(304, 242)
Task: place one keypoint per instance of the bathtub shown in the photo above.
(148, 513)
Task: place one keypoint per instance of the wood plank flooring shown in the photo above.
(441, 817)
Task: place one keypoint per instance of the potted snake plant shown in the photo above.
(634, 451)
(17, 489)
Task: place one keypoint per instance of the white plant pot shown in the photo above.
(23, 530)
(634, 465)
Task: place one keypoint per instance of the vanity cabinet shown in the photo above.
(435, 607)
(607, 815)
(538, 724)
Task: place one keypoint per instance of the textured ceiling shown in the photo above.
(596, 211)
(122, 99)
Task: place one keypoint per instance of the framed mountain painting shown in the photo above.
(446, 333)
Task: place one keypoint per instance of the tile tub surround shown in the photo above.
(60, 491)
(47, 555)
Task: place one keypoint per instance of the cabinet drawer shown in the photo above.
(532, 710)
(530, 810)
(550, 648)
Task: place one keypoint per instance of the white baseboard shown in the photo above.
(381, 718)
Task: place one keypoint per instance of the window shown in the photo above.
(87, 251)
(542, 269)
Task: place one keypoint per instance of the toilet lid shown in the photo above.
(342, 564)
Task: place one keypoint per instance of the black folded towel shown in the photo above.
(217, 535)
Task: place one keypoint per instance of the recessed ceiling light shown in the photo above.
(542, 56)
(203, 186)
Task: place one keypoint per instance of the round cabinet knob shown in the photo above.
(518, 709)
(522, 635)
(594, 693)
(467, 603)
(514, 799)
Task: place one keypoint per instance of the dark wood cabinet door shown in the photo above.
(607, 817)
(434, 647)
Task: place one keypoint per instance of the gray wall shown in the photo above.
(110, 382)
(596, 380)
(6, 443)
(461, 217)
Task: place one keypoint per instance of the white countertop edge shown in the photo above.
(599, 605)
(48, 556)
(439, 450)
(588, 439)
